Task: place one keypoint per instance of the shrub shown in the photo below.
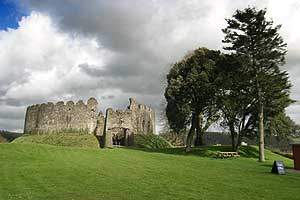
(151, 141)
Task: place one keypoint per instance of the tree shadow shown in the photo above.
(205, 151)
(249, 152)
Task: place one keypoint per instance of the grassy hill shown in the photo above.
(61, 139)
(41, 171)
(85, 140)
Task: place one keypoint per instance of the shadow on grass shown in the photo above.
(271, 165)
(205, 151)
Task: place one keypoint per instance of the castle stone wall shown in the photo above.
(61, 117)
(119, 125)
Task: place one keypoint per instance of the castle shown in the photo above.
(115, 127)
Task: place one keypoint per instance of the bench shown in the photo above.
(227, 155)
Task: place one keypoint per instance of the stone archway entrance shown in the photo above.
(122, 136)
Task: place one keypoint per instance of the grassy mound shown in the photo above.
(61, 139)
(151, 141)
(36, 171)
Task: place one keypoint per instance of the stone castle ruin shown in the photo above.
(115, 127)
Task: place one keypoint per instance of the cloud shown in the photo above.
(39, 63)
(116, 49)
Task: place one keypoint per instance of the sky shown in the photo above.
(55, 50)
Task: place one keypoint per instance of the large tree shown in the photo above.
(251, 35)
(235, 99)
(190, 93)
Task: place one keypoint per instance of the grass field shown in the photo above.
(40, 171)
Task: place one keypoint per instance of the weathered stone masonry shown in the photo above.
(61, 117)
(116, 127)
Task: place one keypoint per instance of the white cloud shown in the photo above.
(37, 60)
(118, 49)
(38, 63)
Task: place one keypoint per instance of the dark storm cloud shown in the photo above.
(118, 24)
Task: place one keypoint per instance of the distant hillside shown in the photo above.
(9, 136)
(212, 138)
(2, 139)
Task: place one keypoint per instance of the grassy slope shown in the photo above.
(61, 139)
(36, 171)
(86, 140)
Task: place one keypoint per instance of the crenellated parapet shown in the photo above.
(115, 126)
(61, 117)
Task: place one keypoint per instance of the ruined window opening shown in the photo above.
(149, 126)
(143, 125)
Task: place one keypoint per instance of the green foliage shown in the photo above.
(249, 33)
(256, 41)
(236, 99)
(191, 86)
(151, 141)
(282, 126)
(34, 172)
(190, 92)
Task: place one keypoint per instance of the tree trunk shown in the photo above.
(232, 132)
(238, 142)
(199, 141)
(261, 133)
(190, 135)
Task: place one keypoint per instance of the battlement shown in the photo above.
(91, 103)
(58, 117)
(84, 117)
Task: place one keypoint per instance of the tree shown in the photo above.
(282, 126)
(281, 131)
(190, 93)
(251, 35)
(235, 99)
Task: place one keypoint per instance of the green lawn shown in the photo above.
(39, 171)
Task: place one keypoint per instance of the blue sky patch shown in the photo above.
(10, 14)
